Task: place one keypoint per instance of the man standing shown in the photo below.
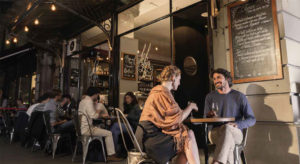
(87, 108)
(227, 102)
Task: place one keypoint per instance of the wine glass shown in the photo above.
(215, 107)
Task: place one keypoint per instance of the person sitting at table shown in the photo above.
(63, 116)
(3, 100)
(39, 106)
(133, 113)
(162, 119)
(101, 107)
(227, 102)
(87, 107)
(20, 103)
(61, 125)
(3, 104)
(65, 107)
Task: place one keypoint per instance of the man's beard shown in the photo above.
(220, 86)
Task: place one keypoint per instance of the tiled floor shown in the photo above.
(15, 154)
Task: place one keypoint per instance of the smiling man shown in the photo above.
(227, 102)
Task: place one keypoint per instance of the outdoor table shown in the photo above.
(205, 121)
(106, 120)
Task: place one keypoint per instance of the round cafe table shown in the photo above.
(205, 121)
(106, 120)
(211, 120)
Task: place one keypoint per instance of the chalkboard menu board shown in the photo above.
(254, 41)
(128, 65)
(74, 78)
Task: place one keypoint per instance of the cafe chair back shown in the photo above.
(239, 149)
(85, 140)
(239, 153)
(53, 136)
(135, 156)
(8, 125)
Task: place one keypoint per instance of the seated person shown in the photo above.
(162, 119)
(65, 108)
(230, 103)
(87, 107)
(61, 125)
(133, 112)
(101, 108)
(40, 102)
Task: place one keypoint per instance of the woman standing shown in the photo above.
(162, 120)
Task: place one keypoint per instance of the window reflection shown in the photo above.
(142, 13)
(150, 46)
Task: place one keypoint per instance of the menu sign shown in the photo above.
(254, 41)
(128, 65)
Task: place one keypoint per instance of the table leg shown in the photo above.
(206, 142)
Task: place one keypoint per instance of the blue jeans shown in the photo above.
(66, 127)
(116, 131)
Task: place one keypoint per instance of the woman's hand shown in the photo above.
(193, 106)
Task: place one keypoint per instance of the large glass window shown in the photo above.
(179, 4)
(95, 70)
(143, 55)
(142, 13)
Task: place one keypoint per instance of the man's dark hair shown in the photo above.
(54, 93)
(45, 96)
(67, 96)
(225, 73)
(92, 91)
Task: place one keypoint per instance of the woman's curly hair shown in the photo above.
(168, 72)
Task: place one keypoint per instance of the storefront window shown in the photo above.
(142, 13)
(179, 4)
(25, 89)
(95, 70)
(143, 55)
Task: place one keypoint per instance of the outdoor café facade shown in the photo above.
(256, 40)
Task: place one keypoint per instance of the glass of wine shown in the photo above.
(215, 107)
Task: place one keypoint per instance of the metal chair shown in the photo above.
(239, 149)
(85, 140)
(139, 155)
(54, 136)
(8, 125)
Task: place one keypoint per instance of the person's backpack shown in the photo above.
(95, 153)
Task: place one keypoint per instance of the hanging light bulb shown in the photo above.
(7, 42)
(53, 7)
(36, 22)
(26, 29)
(15, 40)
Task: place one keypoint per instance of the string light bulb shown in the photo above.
(15, 40)
(7, 42)
(53, 7)
(36, 22)
(26, 29)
